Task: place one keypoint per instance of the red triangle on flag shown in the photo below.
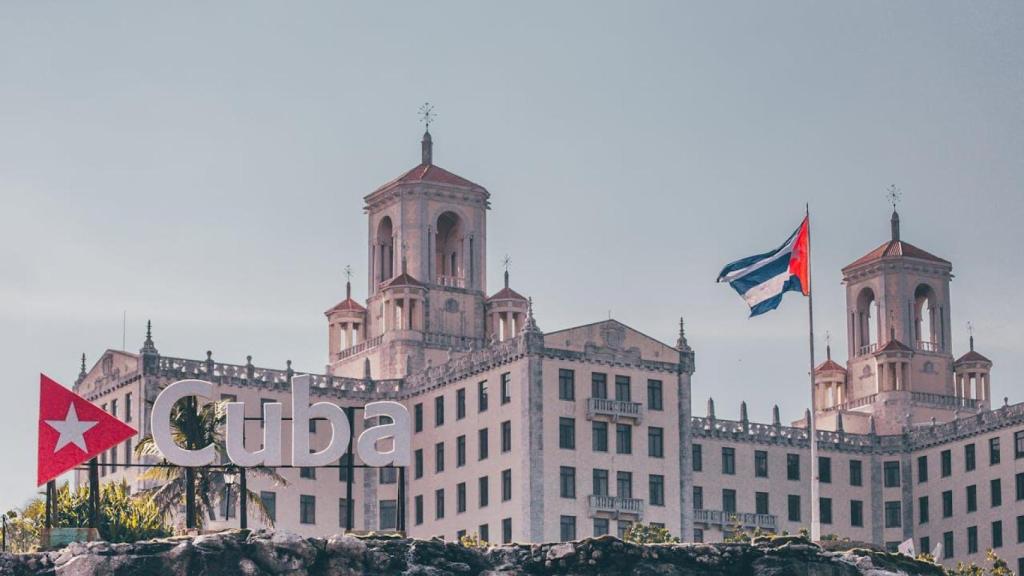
(72, 430)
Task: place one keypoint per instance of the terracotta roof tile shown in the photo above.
(973, 356)
(828, 365)
(895, 345)
(346, 305)
(403, 279)
(507, 294)
(430, 173)
(895, 249)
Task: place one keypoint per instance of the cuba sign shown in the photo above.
(398, 430)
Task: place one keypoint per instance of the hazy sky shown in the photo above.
(203, 165)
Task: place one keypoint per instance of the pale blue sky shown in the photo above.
(203, 165)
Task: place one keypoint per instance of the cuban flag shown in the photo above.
(763, 279)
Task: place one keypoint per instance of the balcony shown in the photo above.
(867, 349)
(616, 506)
(728, 519)
(925, 346)
(451, 281)
(617, 409)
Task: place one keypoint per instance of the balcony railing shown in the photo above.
(451, 281)
(743, 519)
(926, 346)
(364, 345)
(867, 349)
(616, 506)
(615, 408)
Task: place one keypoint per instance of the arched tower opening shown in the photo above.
(867, 322)
(385, 250)
(448, 250)
(925, 308)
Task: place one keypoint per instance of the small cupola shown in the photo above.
(506, 311)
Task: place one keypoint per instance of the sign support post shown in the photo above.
(349, 473)
(243, 497)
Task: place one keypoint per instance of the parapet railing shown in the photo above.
(616, 505)
(614, 408)
(727, 518)
(361, 347)
(927, 346)
(451, 281)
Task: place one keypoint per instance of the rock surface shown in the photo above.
(281, 553)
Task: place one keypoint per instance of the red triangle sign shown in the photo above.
(72, 430)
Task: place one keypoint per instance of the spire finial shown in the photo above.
(894, 195)
(681, 342)
(828, 344)
(348, 281)
(149, 331)
(507, 262)
(427, 116)
(970, 330)
(81, 373)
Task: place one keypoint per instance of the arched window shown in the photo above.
(448, 250)
(924, 317)
(867, 323)
(385, 250)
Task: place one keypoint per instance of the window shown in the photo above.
(227, 503)
(439, 457)
(922, 469)
(343, 512)
(567, 433)
(417, 464)
(1018, 444)
(484, 531)
(761, 503)
(995, 488)
(856, 473)
(891, 471)
(793, 466)
(439, 411)
(947, 545)
(654, 395)
(970, 462)
(926, 544)
(418, 509)
(761, 464)
(794, 508)
(343, 467)
(624, 484)
(825, 469)
(484, 488)
(947, 504)
(656, 489)
(567, 481)
(993, 451)
(307, 509)
(567, 528)
(1020, 486)
(460, 403)
(388, 514)
(506, 436)
(621, 527)
(698, 498)
(728, 460)
(825, 510)
(566, 384)
(481, 396)
(128, 451)
(893, 514)
(1020, 529)
(483, 441)
(997, 534)
(460, 497)
(460, 451)
(623, 439)
(599, 433)
(439, 503)
(698, 535)
(506, 530)
(417, 417)
(600, 527)
(598, 385)
(307, 472)
(655, 442)
(972, 539)
(972, 498)
(856, 513)
(600, 482)
(506, 388)
(388, 475)
(946, 458)
(922, 510)
(113, 407)
(698, 458)
(506, 485)
(729, 500)
(622, 392)
(128, 407)
(269, 500)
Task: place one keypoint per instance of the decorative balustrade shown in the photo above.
(616, 506)
(725, 518)
(361, 347)
(926, 346)
(943, 400)
(867, 349)
(450, 341)
(451, 281)
(615, 408)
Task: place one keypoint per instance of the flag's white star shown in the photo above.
(71, 429)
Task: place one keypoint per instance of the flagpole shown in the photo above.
(812, 429)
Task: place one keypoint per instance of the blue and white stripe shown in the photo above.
(762, 280)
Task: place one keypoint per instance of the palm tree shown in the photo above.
(193, 428)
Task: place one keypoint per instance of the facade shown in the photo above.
(525, 435)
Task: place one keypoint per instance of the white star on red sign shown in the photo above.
(71, 429)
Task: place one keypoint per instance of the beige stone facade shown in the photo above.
(526, 435)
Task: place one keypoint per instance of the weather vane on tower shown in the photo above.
(427, 115)
(894, 195)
